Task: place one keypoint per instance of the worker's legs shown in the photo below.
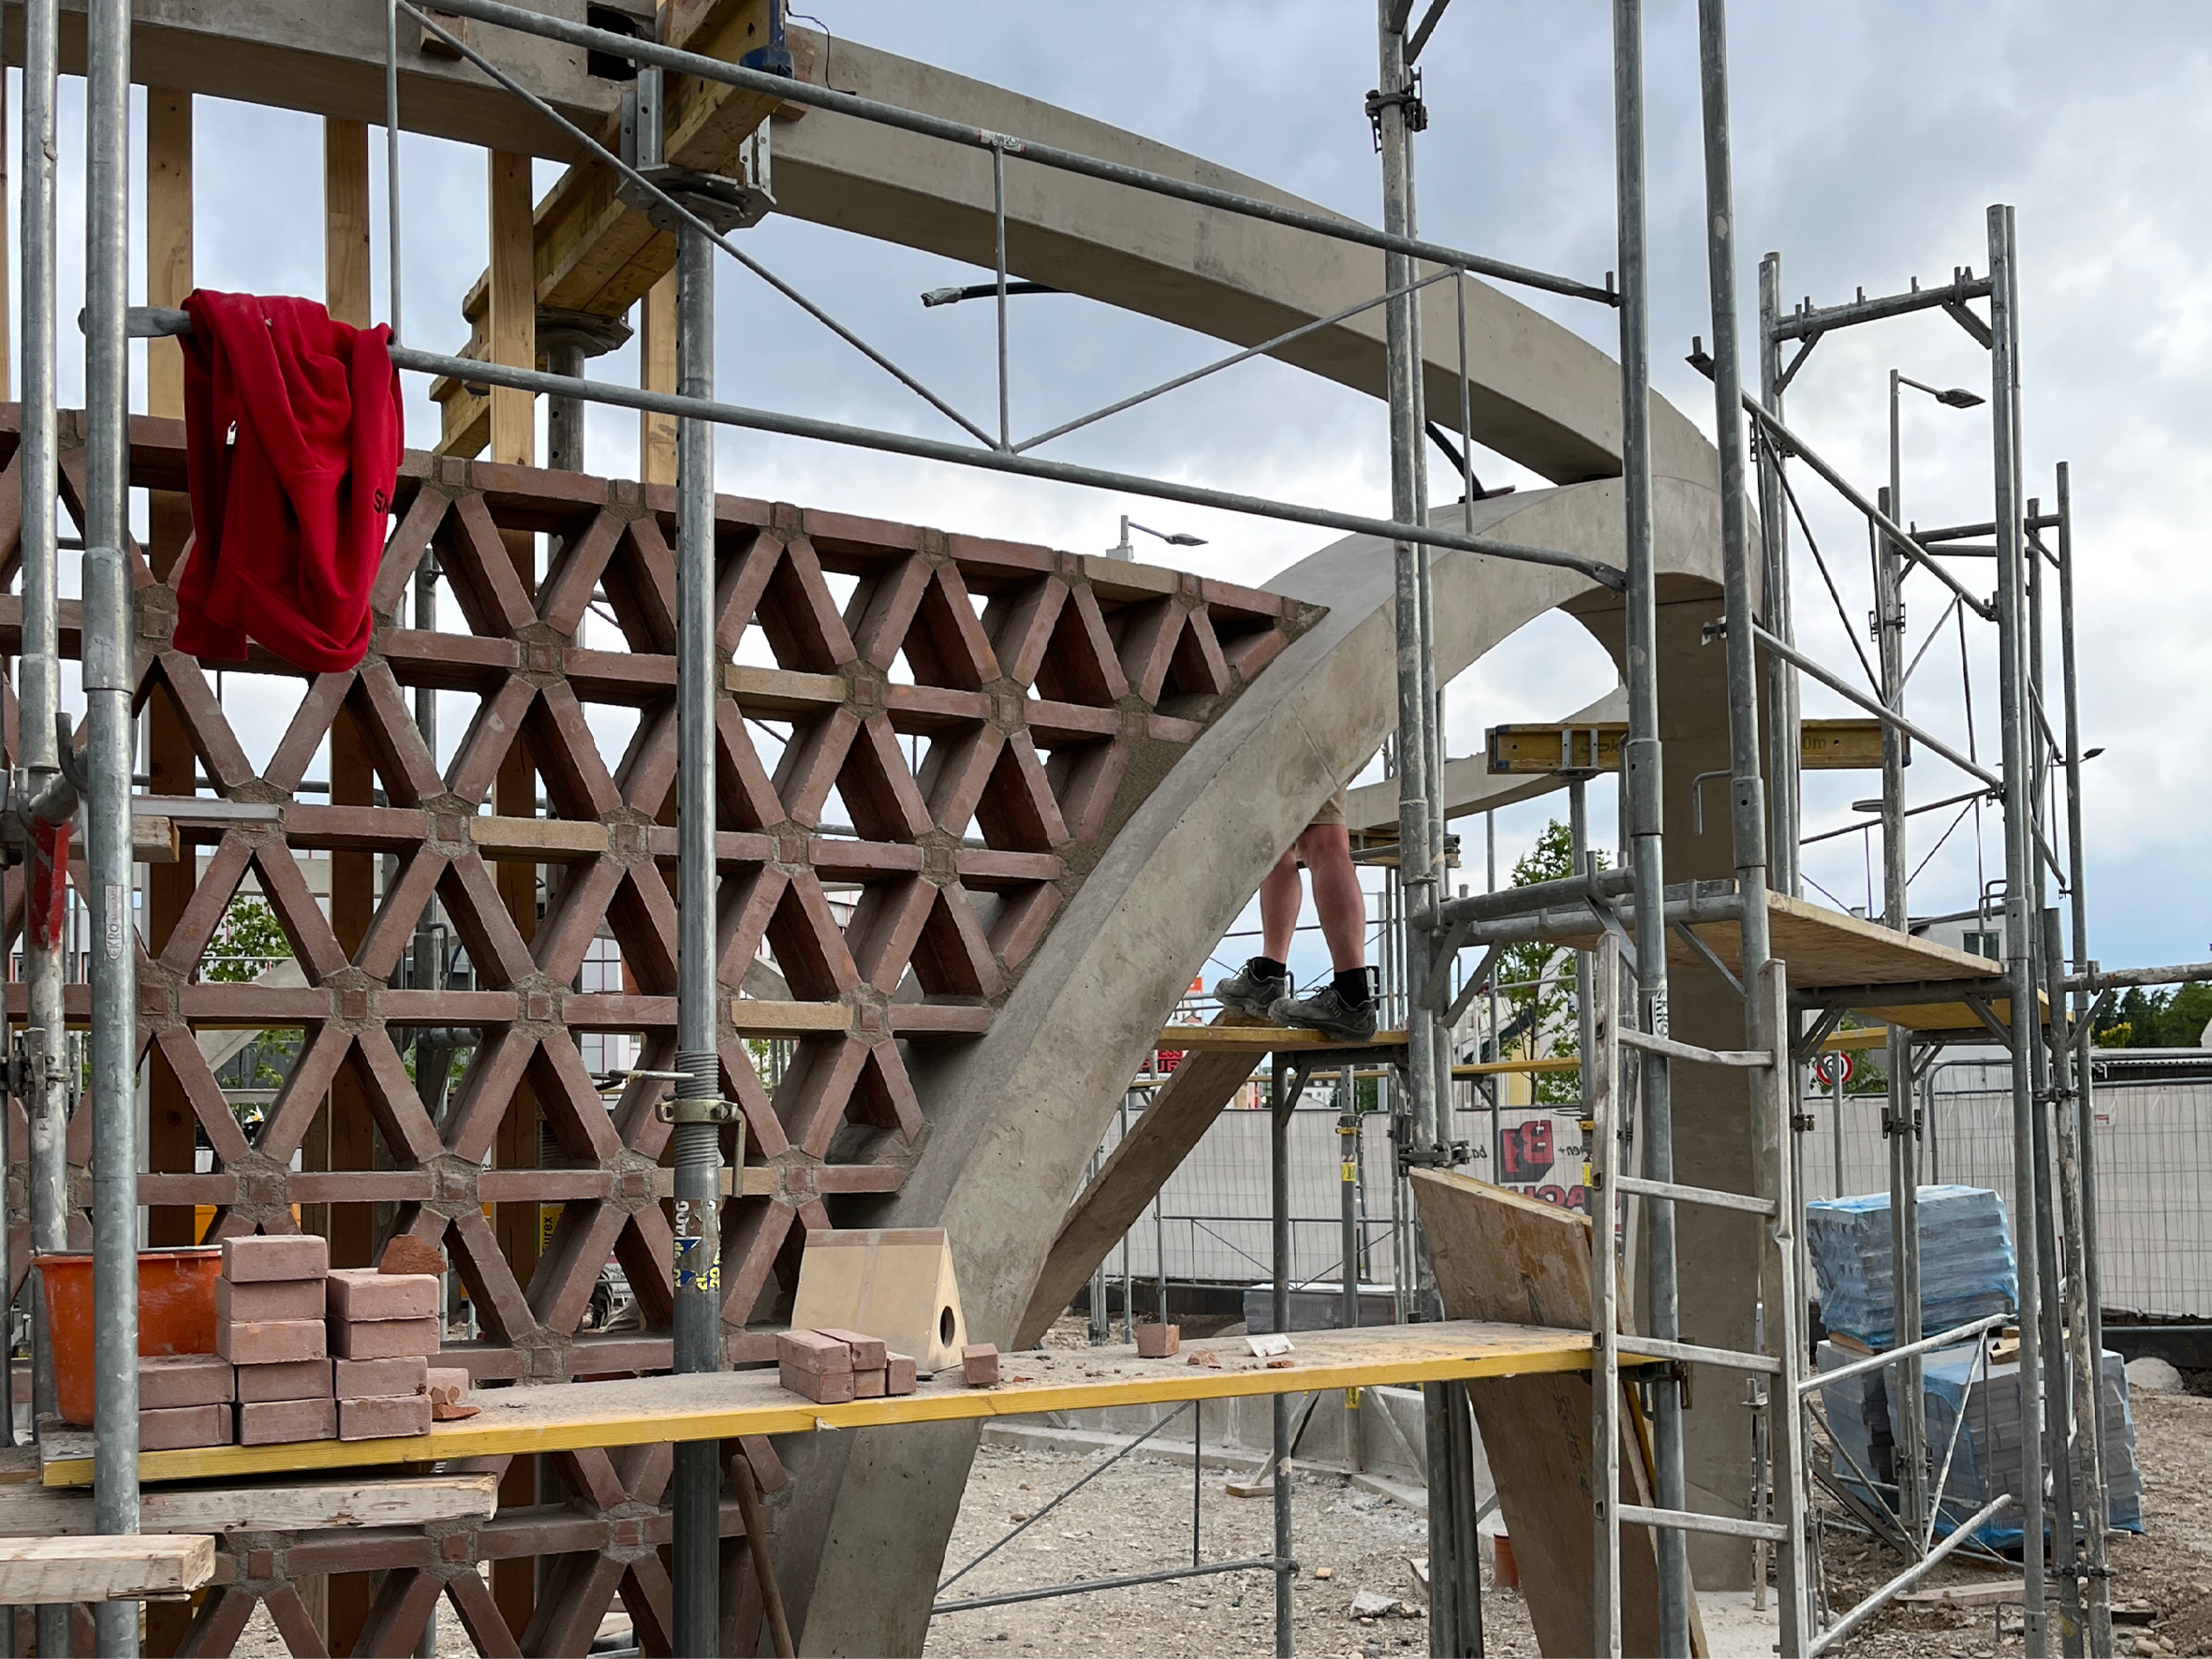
(1345, 1006)
(1338, 898)
(1281, 893)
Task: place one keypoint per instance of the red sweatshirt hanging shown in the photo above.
(292, 438)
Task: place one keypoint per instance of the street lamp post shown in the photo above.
(1899, 1126)
(1179, 539)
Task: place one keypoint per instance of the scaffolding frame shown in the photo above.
(2056, 1263)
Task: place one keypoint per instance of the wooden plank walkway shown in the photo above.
(646, 1410)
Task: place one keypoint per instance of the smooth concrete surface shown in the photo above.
(1015, 1117)
(326, 57)
(1471, 786)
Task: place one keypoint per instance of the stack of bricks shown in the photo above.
(830, 1367)
(269, 1323)
(384, 1327)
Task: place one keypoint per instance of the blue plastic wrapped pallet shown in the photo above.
(1973, 1419)
(1967, 1267)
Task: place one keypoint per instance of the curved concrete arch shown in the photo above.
(1541, 395)
(1014, 1119)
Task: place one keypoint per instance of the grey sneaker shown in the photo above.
(1251, 991)
(1327, 1011)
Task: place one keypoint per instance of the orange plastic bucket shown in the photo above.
(176, 1316)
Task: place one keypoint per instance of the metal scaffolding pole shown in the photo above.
(108, 686)
(697, 1567)
(2078, 1110)
(1783, 745)
(1282, 1101)
(2019, 883)
(1417, 873)
(1898, 1128)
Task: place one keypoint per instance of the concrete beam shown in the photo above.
(327, 58)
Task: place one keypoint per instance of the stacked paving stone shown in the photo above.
(383, 1330)
(830, 1367)
(268, 1325)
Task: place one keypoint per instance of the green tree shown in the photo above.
(1542, 1002)
(247, 942)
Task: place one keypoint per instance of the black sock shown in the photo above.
(1351, 985)
(1266, 967)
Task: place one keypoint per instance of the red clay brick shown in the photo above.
(176, 1426)
(267, 1298)
(1157, 1341)
(979, 1365)
(167, 1381)
(273, 1422)
(831, 1388)
(445, 1385)
(366, 1292)
(899, 1373)
(293, 1379)
(407, 1254)
(365, 1379)
(383, 1338)
(267, 1341)
(811, 1351)
(869, 1384)
(868, 1352)
(383, 1416)
(275, 1256)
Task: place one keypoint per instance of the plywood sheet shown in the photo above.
(1498, 1255)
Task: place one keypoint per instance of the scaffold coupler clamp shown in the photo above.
(698, 1111)
(1407, 98)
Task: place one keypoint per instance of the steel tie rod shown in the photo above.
(152, 322)
(784, 89)
(1874, 705)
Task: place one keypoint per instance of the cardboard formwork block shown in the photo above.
(167, 1381)
(370, 1293)
(979, 1365)
(384, 1339)
(269, 1342)
(258, 1299)
(275, 1256)
(365, 1379)
(1157, 1341)
(384, 1417)
(822, 1387)
(898, 1375)
(896, 1283)
(813, 1351)
(290, 1379)
(278, 1422)
(174, 1428)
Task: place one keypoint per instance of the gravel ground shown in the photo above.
(2167, 1571)
(1136, 1518)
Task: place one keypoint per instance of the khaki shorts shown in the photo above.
(1332, 811)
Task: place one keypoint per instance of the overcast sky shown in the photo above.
(1869, 140)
